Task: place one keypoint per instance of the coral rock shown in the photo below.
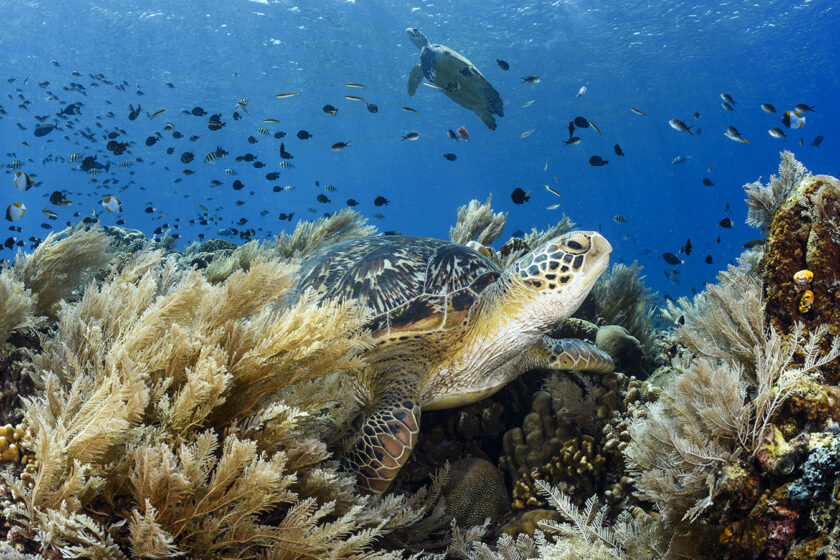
(624, 348)
(475, 491)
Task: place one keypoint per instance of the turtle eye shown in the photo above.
(577, 244)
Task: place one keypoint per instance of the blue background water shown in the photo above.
(669, 59)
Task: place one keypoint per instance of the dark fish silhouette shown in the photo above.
(597, 161)
(617, 150)
(502, 64)
(519, 196)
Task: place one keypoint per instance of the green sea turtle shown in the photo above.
(455, 76)
(451, 328)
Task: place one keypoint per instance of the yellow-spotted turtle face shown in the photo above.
(568, 265)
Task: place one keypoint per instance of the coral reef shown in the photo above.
(475, 492)
(805, 235)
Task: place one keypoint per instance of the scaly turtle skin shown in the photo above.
(451, 328)
(455, 76)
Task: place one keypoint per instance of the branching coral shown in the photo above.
(60, 264)
(186, 410)
(17, 304)
(478, 222)
(763, 201)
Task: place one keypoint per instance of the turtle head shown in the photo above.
(560, 274)
(417, 37)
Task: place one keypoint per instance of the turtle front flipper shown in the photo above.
(487, 118)
(386, 438)
(568, 354)
(414, 79)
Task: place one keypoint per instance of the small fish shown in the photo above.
(463, 134)
(15, 211)
(409, 110)
(125, 164)
(679, 125)
(381, 201)
(552, 191)
(215, 122)
(75, 158)
(581, 122)
(196, 111)
(581, 91)
(802, 108)
(680, 159)
(156, 113)
(519, 196)
(767, 108)
(351, 202)
(288, 188)
(355, 85)
(304, 134)
(43, 129)
(210, 158)
(16, 164)
(338, 146)
(619, 219)
(817, 141)
(242, 104)
(533, 79)
(286, 95)
(528, 103)
(451, 134)
(22, 181)
(322, 198)
(733, 134)
(527, 133)
(708, 182)
(727, 98)
(776, 132)
(502, 64)
(725, 223)
(801, 141)
(793, 119)
(59, 199)
(617, 150)
(595, 128)
(378, 215)
(111, 204)
(573, 141)
(450, 156)
(708, 259)
(238, 185)
(672, 259)
(230, 172)
(411, 136)
(597, 161)
(187, 157)
(638, 112)
(372, 107)
(354, 98)
(696, 115)
(728, 107)
(330, 110)
(286, 164)
(329, 188)
(262, 131)
(49, 213)
(753, 243)
(687, 247)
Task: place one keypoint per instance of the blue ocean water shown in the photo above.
(668, 59)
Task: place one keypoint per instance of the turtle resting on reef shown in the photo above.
(451, 328)
(455, 76)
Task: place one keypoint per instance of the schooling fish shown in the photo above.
(111, 204)
(817, 141)
(679, 125)
(802, 108)
(767, 108)
(381, 201)
(793, 119)
(22, 181)
(581, 91)
(617, 150)
(672, 259)
(776, 132)
(502, 64)
(733, 134)
(680, 159)
(43, 129)
(330, 110)
(411, 136)
(338, 146)
(533, 79)
(638, 112)
(597, 161)
(15, 211)
(727, 98)
(519, 196)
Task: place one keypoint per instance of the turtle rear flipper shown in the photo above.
(414, 79)
(386, 437)
(487, 118)
(570, 354)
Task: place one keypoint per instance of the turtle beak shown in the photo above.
(598, 256)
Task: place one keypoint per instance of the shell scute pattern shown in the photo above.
(411, 284)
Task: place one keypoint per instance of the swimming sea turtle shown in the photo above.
(455, 76)
(451, 328)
